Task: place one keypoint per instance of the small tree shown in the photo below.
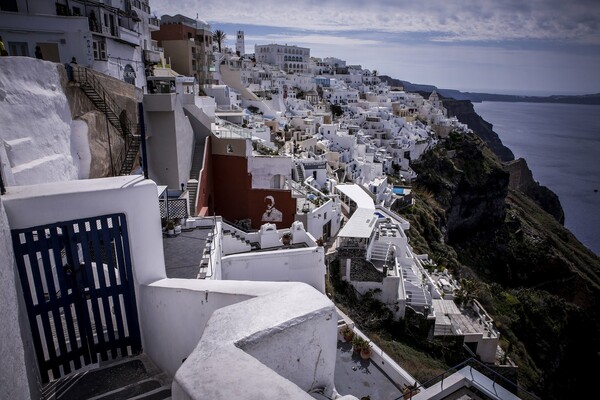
(336, 110)
(219, 36)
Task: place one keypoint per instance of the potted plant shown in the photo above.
(365, 351)
(347, 333)
(357, 343)
(362, 347)
(170, 228)
(286, 239)
(408, 391)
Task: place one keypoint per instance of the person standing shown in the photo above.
(38, 53)
(3, 51)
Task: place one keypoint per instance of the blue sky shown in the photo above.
(499, 46)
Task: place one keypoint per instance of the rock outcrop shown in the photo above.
(521, 176)
(521, 179)
(539, 283)
(468, 185)
(104, 139)
(464, 111)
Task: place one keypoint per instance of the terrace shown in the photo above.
(241, 338)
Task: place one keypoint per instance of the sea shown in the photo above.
(561, 143)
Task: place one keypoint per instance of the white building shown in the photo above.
(287, 58)
(240, 46)
(169, 135)
(112, 37)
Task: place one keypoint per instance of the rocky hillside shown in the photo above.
(464, 111)
(538, 282)
(521, 177)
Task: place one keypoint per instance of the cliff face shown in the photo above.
(463, 110)
(521, 179)
(538, 282)
(468, 185)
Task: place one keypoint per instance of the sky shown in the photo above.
(536, 47)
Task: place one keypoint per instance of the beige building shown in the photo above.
(188, 46)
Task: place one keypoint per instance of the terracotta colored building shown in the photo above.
(241, 186)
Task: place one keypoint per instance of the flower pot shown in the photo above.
(365, 354)
(348, 336)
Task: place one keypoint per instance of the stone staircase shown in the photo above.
(236, 243)
(117, 117)
(129, 378)
(300, 173)
(192, 184)
(380, 251)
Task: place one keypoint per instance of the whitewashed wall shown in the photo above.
(36, 122)
(264, 168)
(294, 265)
(17, 369)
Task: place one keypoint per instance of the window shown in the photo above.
(276, 181)
(9, 5)
(18, 49)
(62, 9)
(76, 11)
(99, 49)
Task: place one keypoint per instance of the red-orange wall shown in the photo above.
(173, 32)
(284, 202)
(234, 197)
(231, 186)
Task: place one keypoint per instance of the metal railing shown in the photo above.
(173, 208)
(483, 369)
(95, 91)
(85, 77)
(2, 187)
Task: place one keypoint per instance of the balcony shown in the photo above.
(128, 36)
(153, 23)
(151, 56)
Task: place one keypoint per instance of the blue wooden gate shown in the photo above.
(78, 288)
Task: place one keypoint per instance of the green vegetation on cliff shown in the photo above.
(538, 282)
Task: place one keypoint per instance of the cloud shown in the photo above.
(451, 20)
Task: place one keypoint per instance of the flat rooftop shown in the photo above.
(353, 375)
(464, 320)
(357, 194)
(360, 378)
(183, 253)
(360, 225)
